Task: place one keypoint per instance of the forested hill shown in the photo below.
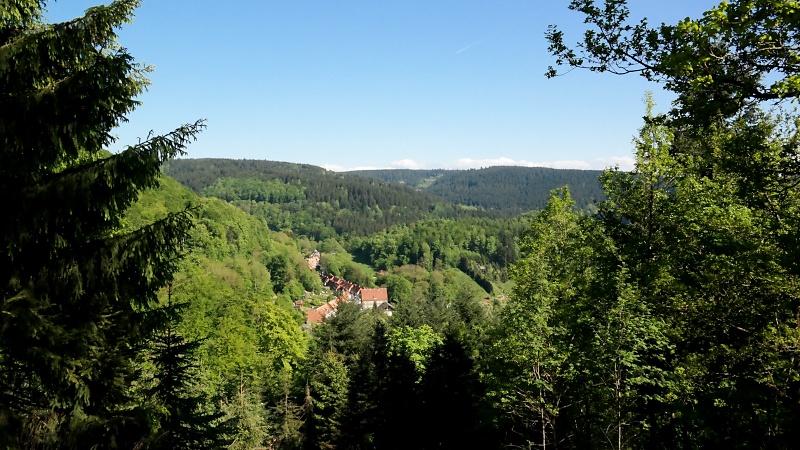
(198, 174)
(416, 178)
(309, 200)
(506, 189)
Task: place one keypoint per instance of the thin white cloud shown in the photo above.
(470, 46)
(563, 164)
(333, 167)
(407, 164)
(624, 163)
(469, 163)
(338, 168)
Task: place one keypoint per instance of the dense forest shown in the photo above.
(142, 311)
(310, 200)
(507, 190)
(416, 178)
(493, 191)
(370, 224)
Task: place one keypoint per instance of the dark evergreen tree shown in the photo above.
(341, 374)
(185, 424)
(453, 411)
(396, 396)
(328, 389)
(78, 291)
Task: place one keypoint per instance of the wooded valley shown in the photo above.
(152, 301)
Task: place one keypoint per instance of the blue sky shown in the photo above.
(383, 83)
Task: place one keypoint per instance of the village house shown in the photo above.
(347, 291)
(313, 260)
(372, 298)
(323, 312)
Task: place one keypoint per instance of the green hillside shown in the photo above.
(236, 288)
(416, 178)
(309, 201)
(509, 190)
(226, 308)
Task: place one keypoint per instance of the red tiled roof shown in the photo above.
(374, 294)
(314, 317)
(317, 315)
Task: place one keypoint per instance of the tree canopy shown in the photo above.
(737, 53)
(79, 293)
(667, 317)
(693, 288)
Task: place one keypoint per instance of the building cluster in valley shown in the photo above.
(346, 291)
(313, 260)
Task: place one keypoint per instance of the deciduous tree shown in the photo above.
(737, 53)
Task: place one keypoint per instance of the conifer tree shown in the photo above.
(185, 425)
(452, 399)
(77, 291)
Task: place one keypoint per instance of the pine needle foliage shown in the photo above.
(185, 424)
(78, 292)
